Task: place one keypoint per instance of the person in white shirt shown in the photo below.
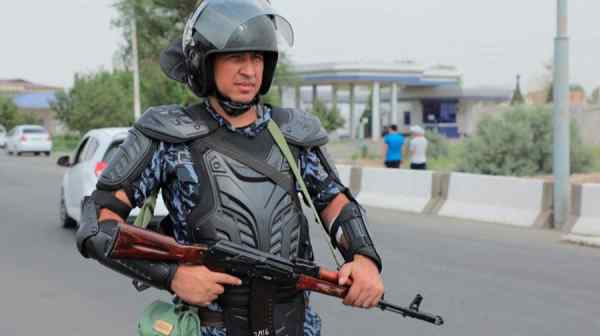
(418, 148)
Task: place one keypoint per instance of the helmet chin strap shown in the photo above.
(233, 108)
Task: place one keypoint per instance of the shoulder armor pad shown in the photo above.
(170, 123)
(300, 128)
(131, 158)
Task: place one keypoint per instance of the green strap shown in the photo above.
(285, 149)
(147, 211)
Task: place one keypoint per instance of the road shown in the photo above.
(484, 279)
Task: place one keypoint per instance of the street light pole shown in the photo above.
(562, 120)
(137, 110)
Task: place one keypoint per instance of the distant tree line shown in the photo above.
(10, 116)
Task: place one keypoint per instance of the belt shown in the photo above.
(215, 319)
(209, 318)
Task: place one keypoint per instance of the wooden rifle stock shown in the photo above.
(136, 243)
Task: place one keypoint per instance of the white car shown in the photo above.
(84, 166)
(2, 136)
(28, 139)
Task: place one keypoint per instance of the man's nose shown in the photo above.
(247, 68)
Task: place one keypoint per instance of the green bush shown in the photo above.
(519, 143)
(330, 118)
(437, 145)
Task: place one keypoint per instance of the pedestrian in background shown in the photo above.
(418, 148)
(392, 148)
(386, 130)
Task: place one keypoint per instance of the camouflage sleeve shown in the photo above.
(323, 185)
(151, 178)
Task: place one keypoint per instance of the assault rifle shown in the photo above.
(224, 256)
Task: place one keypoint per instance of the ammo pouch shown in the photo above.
(166, 319)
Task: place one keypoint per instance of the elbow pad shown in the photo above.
(350, 235)
(95, 240)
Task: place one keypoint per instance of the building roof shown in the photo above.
(21, 85)
(403, 73)
(35, 100)
(487, 93)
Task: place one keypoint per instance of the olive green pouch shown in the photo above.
(166, 319)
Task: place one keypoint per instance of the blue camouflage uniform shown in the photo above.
(172, 170)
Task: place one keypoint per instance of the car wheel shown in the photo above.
(37, 153)
(47, 153)
(66, 221)
(18, 153)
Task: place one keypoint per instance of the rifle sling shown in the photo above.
(283, 146)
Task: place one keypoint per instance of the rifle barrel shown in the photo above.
(408, 312)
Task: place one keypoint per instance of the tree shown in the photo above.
(517, 97)
(368, 115)
(9, 114)
(102, 99)
(330, 118)
(519, 143)
(595, 97)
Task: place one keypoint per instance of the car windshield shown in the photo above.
(34, 131)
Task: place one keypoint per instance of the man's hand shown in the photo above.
(200, 286)
(367, 286)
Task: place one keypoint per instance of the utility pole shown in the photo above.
(562, 120)
(137, 110)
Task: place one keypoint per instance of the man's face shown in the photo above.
(239, 75)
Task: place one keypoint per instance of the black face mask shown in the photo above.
(232, 108)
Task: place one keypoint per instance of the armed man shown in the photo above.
(223, 177)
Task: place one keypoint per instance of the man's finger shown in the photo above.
(218, 289)
(374, 302)
(363, 299)
(352, 295)
(226, 279)
(344, 274)
(371, 303)
(379, 298)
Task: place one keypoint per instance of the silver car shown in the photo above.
(28, 139)
(2, 136)
(84, 166)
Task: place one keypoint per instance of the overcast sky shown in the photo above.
(490, 41)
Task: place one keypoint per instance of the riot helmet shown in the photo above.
(227, 26)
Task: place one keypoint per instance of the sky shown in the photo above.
(489, 41)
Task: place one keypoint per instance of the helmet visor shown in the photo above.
(217, 20)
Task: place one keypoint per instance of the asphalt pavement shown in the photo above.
(484, 279)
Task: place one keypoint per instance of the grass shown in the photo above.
(65, 143)
(596, 155)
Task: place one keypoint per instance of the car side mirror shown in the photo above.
(63, 161)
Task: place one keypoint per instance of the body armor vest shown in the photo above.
(244, 206)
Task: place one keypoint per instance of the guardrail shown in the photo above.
(400, 189)
(507, 200)
(585, 215)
